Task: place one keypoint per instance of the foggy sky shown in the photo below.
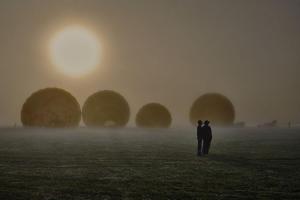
(167, 51)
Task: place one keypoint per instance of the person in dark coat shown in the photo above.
(200, 138)
(207, 137)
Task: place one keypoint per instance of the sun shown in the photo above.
(75, 51)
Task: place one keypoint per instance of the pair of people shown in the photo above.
(204, 136)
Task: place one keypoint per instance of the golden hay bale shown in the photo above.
(107, 109)
(51, 107)
(153, 115)
(213, 107)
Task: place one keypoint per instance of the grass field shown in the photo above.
(244, 163)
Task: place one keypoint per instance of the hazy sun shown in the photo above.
(75, 51)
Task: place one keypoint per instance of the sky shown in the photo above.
(169, 51)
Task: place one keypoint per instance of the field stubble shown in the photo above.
(244, 163)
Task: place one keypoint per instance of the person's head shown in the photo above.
(200, 122)
(206, 123)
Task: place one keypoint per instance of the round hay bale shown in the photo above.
(153, 115)
(51, 107)
(106, 109)
(213, 107)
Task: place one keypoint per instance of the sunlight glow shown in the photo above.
(75, 51)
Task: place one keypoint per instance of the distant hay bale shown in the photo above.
(51, 107)
(153, 115)
(213, 107)
(106, 109)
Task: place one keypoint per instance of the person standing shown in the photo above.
(207, 137)
(200, 138)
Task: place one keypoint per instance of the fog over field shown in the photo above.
(169, 52)
(82, 163)
(115, 99)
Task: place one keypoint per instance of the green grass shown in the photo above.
(128, 164)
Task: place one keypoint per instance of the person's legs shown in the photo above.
(199, 153)
(205, 151)
(208, 146)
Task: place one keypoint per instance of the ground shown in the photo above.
(64, 164)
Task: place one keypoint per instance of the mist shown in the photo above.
(169, 52)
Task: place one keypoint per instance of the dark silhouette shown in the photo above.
(207, 137)
(200, 138)
(269, 124)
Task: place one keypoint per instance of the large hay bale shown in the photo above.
(51, 107)
(153, 115)
(213, 107)
(106, 109)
